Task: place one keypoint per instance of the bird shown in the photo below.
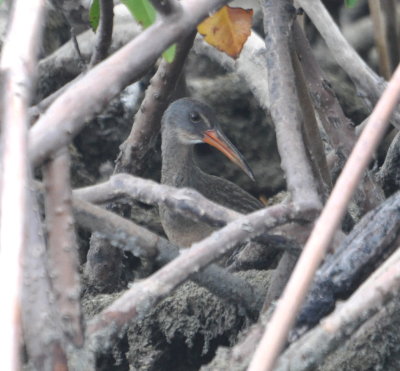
(185, 123)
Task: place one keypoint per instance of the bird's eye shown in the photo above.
(195, 117)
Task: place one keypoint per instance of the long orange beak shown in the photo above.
(218, 140)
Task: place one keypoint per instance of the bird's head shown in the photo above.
(191, 121)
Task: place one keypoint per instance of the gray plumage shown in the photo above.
(184, 124)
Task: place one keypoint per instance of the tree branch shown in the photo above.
(104, 32)
(148, 119)
(375, 10)
(369, 85)
(43, 338)
(62, 247)
(184, 201)
(137, 300)
(69, 113)
(18, 67)
(296, 289)
(347, 318)
(285, 110)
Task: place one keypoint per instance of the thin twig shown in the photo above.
(392, 31)
(69, 113)
(104, 32)
(380, 38)
(326, 225)
(76, 46)
(18, 69)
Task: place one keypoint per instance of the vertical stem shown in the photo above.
(380, 38)
(18, 67)
(392, 32)
(285, 109)
(62, 247)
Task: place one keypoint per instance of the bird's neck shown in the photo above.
(178, 164)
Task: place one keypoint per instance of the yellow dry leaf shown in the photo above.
(227, 29)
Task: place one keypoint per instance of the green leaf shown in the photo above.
(94, 14)
(142, 11)
(350, 3)
(145, 14)
(169, 54)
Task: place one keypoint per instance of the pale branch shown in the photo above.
(309, 351)
(143, 243)
(184, 201)
(43, 339)
(285, 111)
(147, 122)
(104, 32)
(124, 30)
(369, 85)
(18, 69)
(70, 112)
(62, 246)
(144, 295)
(325, 227)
